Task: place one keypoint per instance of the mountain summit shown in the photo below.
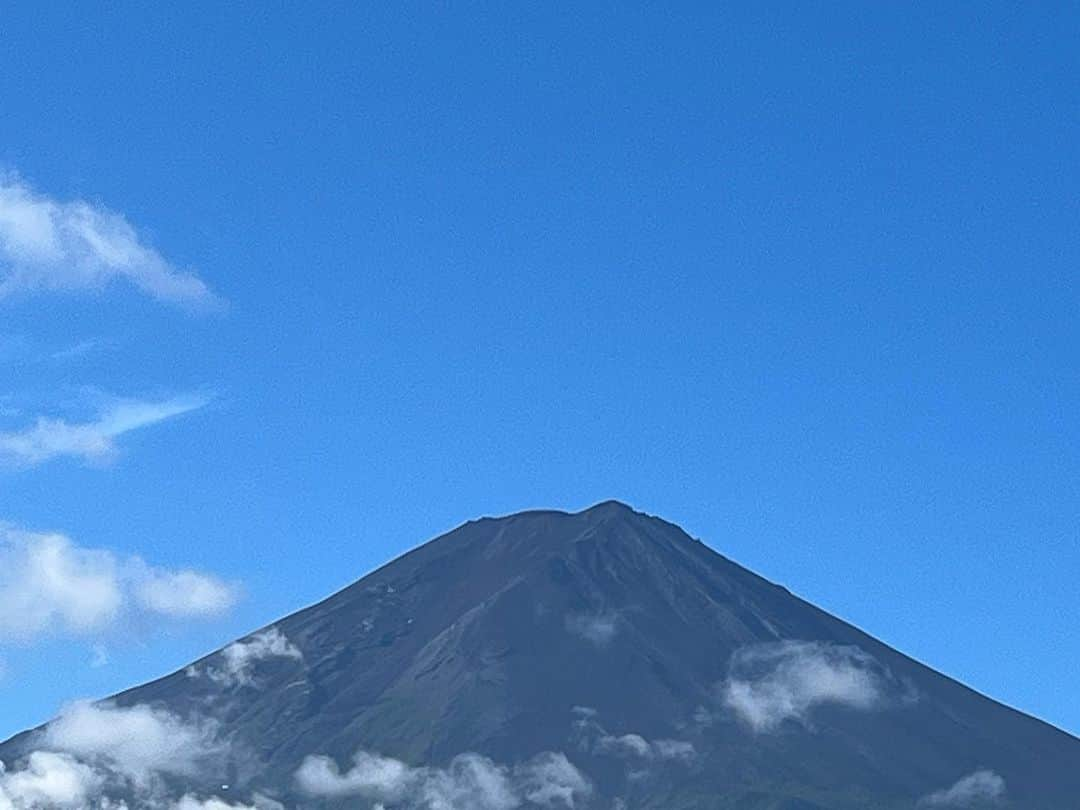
(601, 659)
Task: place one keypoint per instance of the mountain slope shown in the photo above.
(668, 676)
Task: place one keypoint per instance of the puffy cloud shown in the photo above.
(673, 749)
(598, 629)
(774, 682)
(136, 742)
(213, 803)
(551, 780)
(93, 752)
(258, 802)
(184, 593)
(48, 584)
(469, 782)
(974, 790)
(237, 661)
(593, 737)
(373, 776)
(48, 245)
(48, 780)
(92, 441)
(634, 745)
(623, 745)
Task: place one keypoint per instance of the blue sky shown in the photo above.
(316, 284)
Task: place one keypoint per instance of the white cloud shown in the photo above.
(239, 659)
(974, 790)
(48, 780)
(18, 349)
(469, 782)
(185, 593)
(80, 349)
(91, 441)
(599, 629)
(673, 749)
(49, 585)
(92, 752)
(99, 656)
(372, 775)
(774, 682)
(137, 742)
(591, 736)
(551, 780)
(48, 245)
(634, 745)
(213, 803)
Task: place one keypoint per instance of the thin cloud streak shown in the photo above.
(48, 245)
(95, 441)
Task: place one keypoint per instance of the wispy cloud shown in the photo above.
(93, 441)
(51, 586)
(183, 594)
(775, 682)
(214, 803)
(591, 736)
(596, 628)
(99, 656)
(469, 782)
(20, 350)
(236, 662)
(51, 245)
(79, 349)
(977, 789)
(634, 745)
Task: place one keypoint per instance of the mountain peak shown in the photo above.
(608, 507)
(666, 674)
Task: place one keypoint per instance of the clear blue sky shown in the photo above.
(803, 280)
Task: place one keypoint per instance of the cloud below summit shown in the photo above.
(974, 790)
(469, 782)
(775, 682)
(236, 662)
(50, 245)
(93, 752)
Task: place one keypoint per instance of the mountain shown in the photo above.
(602, 659)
